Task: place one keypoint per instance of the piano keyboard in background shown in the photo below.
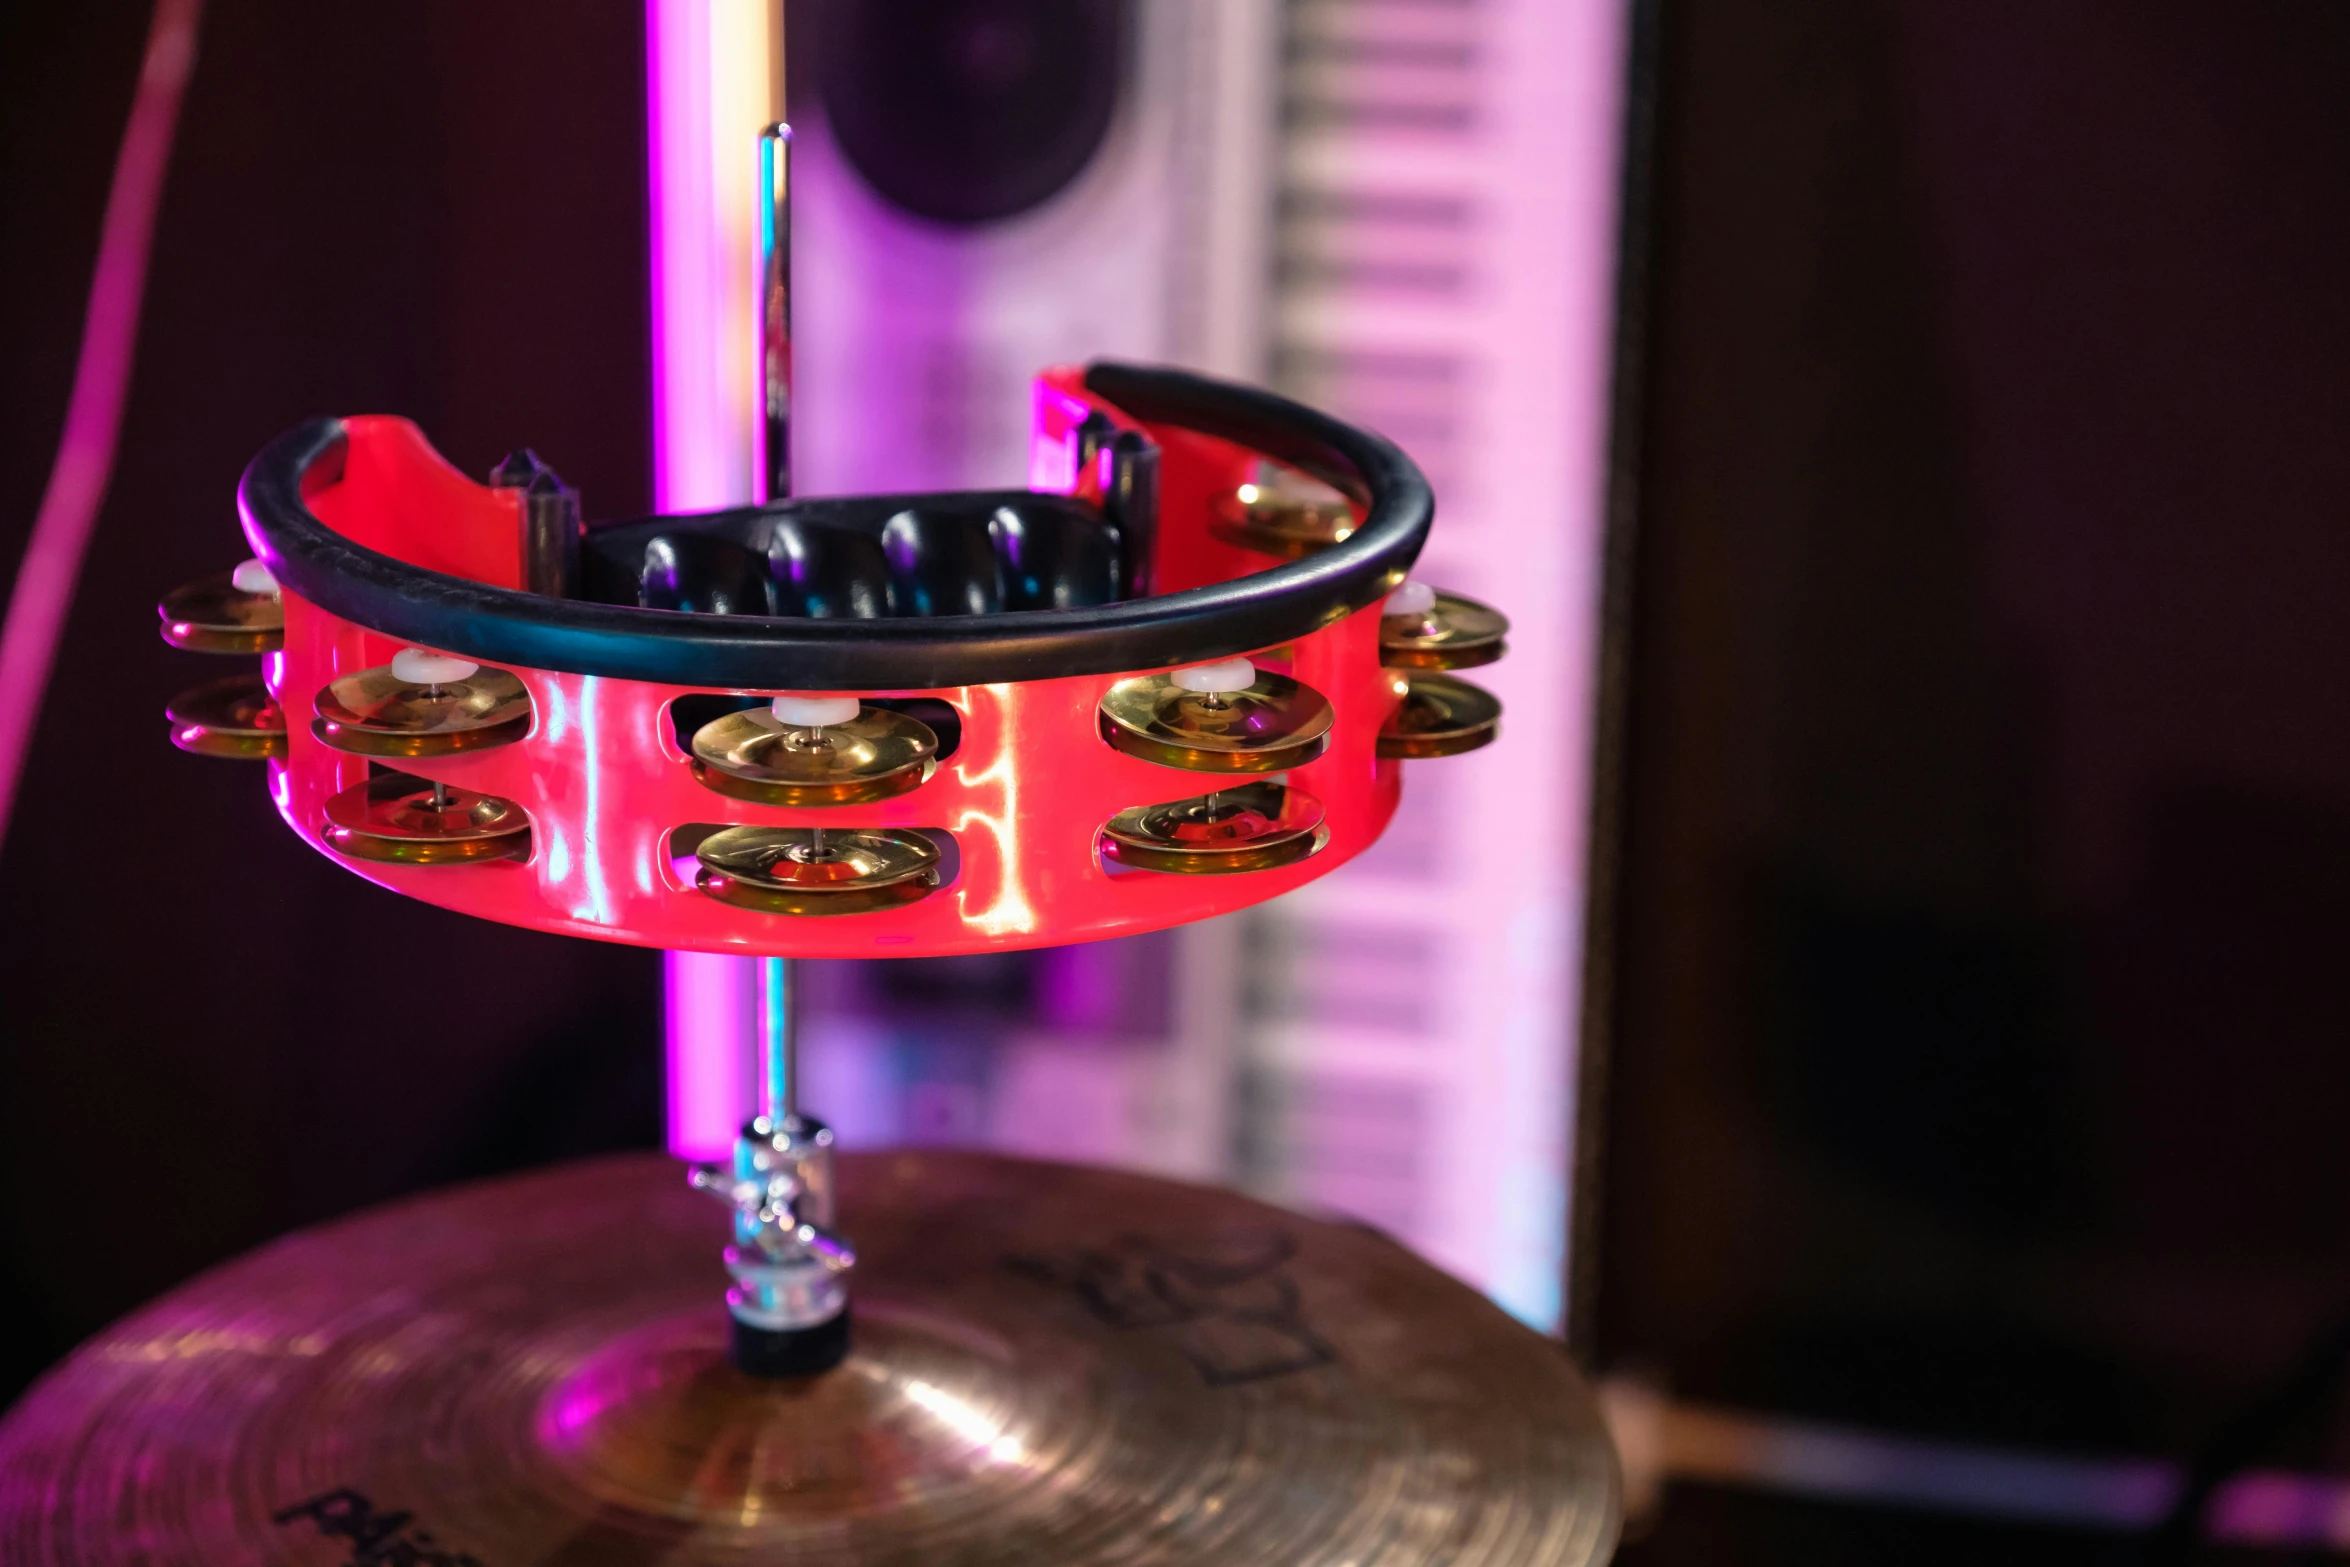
(1444, 272)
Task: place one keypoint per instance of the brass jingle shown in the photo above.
(393, 818)
(376, 713)
(1439, 716)
(777, 870)
(875, 755)
(1458, 633)
(235, 717)
(1272, 725)
(1287, 515)
(1248, 827)
(213, 615)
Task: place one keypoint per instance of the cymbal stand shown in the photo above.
(790, 1298)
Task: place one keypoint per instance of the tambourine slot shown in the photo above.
(1253, 826)
(688, 715)
(950, 855)
(865, 753)
(816, 871)
(1264, 724)
(682, 844)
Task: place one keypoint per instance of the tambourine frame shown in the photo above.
(1026, 792)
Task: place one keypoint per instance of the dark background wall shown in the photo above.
(1980, 1044)
(207, 1033)
(1981, 1032)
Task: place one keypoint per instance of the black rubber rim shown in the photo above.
(508, 627)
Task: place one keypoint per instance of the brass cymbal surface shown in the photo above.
(1457, 633)
(810, 870)
(1273, 724)
(752, 756)
(1049, 1366)
(235, 717)
(213, 615)
(376, 713)
(1249, 827)
(403, 820)
(1285, 515)
(1439, 716)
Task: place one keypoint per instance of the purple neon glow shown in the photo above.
(705, 69)
(93, 420)
(706, 95)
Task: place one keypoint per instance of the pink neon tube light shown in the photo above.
(708, 87)
(52, 565)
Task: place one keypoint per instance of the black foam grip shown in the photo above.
(702, 575)
(848, 651)
(797, 1352)
(827, 573)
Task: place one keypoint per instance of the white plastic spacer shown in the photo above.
(252, 577)
(815, 712)
(1233, 674)
(414, 666)
(1413, 598)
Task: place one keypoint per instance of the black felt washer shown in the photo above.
(798, 1352)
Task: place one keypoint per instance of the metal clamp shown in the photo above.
(790, 1267)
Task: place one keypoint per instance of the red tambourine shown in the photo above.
(1175, 678)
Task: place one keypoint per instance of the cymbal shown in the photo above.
(751, 756)
(816, 870)
(1050, 1365)
(1439, 716)
(1454, 633)
(412, 821)
(1251, 826)
(380, 712)
(233, 717)
(1271, 724)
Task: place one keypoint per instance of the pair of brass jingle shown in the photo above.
(378, 712)
(753, 756)
(1253, 826)
(235, 717)
(213, 615)
(398, 819)
(1283, 514)
(1271, 725)
(1437, 715)
(1454, 633)
(816, 870)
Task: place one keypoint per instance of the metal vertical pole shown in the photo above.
(771, 478)
(774, 272)
(779, 1039)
